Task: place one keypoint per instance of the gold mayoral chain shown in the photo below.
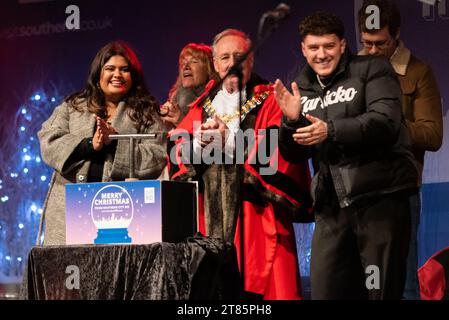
(246, 108)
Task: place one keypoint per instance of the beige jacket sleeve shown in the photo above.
(426, 124)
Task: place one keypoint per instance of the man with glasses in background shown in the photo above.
(421, 106)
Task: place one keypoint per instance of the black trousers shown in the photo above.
(360, 252)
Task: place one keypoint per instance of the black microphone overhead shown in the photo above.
(281, 12)
(429, 2)
(236, 69)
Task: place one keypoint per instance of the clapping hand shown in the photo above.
(172, 113)
(290, 104)
(210, 130)
(101, 136)
(313, 134)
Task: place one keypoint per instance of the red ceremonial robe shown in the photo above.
(270, 258)
(434, 277)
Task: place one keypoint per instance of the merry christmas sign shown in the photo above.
(114, 212)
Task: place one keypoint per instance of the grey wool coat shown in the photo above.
(59, 137)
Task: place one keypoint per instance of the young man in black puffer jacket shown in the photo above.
(345, 113)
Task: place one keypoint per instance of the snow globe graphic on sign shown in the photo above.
(112, 212)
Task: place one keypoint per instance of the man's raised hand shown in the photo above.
(290, 104)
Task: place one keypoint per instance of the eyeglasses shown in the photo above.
(381, 44)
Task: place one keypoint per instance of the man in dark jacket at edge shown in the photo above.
(345, 114)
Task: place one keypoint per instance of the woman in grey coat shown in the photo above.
(75, 139)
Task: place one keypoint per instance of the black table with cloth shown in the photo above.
(198, 268)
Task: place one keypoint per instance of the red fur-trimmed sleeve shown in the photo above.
(289, 186)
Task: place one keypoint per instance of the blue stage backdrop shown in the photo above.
(41, 62)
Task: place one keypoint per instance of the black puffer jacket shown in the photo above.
(367, 152)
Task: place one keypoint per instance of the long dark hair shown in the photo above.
(142, 106)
